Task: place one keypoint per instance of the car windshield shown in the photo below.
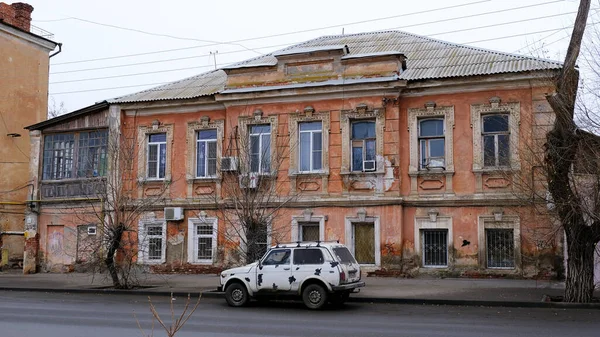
(344, 255)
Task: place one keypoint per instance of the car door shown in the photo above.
(307, 262)
(274, 271)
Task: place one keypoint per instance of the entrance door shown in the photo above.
(364, 242)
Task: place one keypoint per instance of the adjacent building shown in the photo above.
(415, 152)
(24, 65)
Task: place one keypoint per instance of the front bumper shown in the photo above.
(348, 286)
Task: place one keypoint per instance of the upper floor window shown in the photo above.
(157, 155)
(496, 140)
(260, 148)
(431, 143)
(206, 153)
(311, 146)
(363, 146)
(71, 155)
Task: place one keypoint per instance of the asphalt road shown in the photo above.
(88, 315)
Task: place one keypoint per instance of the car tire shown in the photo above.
(314, 296)
(236, 295)
(338, 299)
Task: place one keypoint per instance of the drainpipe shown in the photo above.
(57, 52)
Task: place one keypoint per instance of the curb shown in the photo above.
(378, 300)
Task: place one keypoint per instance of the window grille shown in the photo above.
(309, 231)
(500, 248)
(204, 234)
(435, 247)
(154, 235)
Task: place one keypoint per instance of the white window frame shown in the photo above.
(433, 222)
(143, 244)
(158, 145)
(297, 223)
(311, 168)
(427, 140)
(206, 144)
(260, 148)
(192, 247)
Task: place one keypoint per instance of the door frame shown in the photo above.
(349, 224)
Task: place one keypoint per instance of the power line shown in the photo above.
(401, 27)
(332, 26)
(198, 67)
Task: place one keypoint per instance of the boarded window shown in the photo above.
(364, 243)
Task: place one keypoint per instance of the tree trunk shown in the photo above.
(580, 268)
(114, 244)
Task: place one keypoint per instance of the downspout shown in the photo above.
(57, 52)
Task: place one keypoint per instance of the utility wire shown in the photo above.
(328, 27)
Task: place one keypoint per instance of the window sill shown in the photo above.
(427, 173)
(360, 173)
(151, 263)
(71, 180)
(201, 263)
(323, 173)
(203, 179)
(503, 169)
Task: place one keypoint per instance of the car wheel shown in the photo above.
(236, 295)
(338, 299)
(314, 296)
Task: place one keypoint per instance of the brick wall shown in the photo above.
(18, 14)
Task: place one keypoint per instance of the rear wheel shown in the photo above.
(236, 295)
(338, 299)
(314, 296)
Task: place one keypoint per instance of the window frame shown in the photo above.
(364, 149)
(143, 247)
(206, 158)
(427, 140)
(495, 134)
(423, 250)
(158, 144)
(312, 151)
(143, 132)
(192, 247)
(362, 112)
(436, 222)
(349, 232)
(261, 151)
(308, 217)
(503, 222)
(73, 170)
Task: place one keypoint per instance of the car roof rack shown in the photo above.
(299, 243)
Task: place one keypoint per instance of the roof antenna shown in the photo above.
(214, 54)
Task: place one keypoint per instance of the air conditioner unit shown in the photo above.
(249, 180)
(173, 213)
(229, 164)
(369, 165)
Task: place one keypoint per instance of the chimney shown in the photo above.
(18, 14)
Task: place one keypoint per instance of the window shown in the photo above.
(363, 146)
(431, 144)
(344, 255)
(260, 148)
(496, 140)
(75, 155)
(277, 256)
(308, 256)
(308, 231)
(157, 155)
(206, 153)
(202, 240)
(92, 154)
(500, 248)
(152, 244)
(311, 146)
(435, 247)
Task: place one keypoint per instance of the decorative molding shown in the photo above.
(363, 218)
(307, 216)
(142, 148)
(499, 220)
(257, 118)
(204, 123)
(433, 221)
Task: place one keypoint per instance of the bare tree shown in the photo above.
(253, 190)
(176, 323)
(55, 109)
(569, 152)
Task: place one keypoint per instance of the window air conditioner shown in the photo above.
(249, 180)
(369, 165)
(173, 213)
(229, 164)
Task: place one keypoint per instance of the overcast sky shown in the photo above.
(121, 39)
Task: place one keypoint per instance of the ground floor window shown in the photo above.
(152, 241)
(435, 247)
(308, 231)
(202, 240)
(364, 242)
(500, 248)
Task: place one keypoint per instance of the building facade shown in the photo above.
(414, 152)
(24, 64)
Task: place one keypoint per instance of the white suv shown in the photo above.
(316, 271)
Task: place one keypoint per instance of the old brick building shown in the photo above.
(409, 149)
(23, 100)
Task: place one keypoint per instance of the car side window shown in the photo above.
(277, 256)
(308, 256)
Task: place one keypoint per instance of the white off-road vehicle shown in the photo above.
(317, 272)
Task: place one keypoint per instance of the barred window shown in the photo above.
(435, 247)
(308, 231)
(202, 242)
(152, 242)
(500, 248)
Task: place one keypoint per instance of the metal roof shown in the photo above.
(427, 58)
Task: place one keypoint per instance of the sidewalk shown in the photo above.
(488, 292)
